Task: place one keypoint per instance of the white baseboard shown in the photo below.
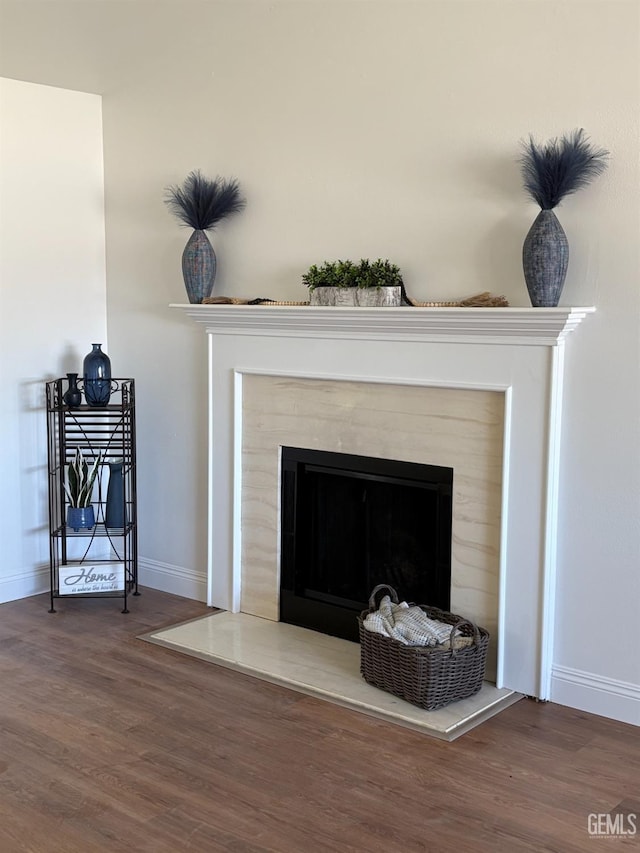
(152, 573)
(173, 579)
(586, 691)
(25, 583)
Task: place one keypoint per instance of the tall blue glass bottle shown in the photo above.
(97, 377)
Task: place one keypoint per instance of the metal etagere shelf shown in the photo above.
(104, 559)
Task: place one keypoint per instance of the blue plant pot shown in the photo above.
(80, 517)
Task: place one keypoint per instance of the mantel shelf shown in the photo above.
(515, 326)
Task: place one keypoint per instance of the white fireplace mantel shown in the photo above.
(524, 326)
(518, 352)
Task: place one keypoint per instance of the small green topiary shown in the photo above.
(366, 274)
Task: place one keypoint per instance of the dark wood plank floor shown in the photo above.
(109, 743)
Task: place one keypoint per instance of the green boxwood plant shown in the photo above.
(347, 274)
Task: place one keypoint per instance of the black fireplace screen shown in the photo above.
(351, 522)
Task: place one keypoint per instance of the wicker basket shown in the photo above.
(427, 676)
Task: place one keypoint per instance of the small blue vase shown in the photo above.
(97, 377)
(80, 516)
(115, 512)
(73, 396)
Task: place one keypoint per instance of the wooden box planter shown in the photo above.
(365, 297)
(368, 284)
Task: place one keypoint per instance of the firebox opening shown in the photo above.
(351, 522)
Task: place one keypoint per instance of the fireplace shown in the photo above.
(349, 523)
(478, 390)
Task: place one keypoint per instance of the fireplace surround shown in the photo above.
(459, 428)
(510, 360)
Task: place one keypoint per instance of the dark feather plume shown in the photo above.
(560, 167)
(201, 203)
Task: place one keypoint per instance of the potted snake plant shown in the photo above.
(79, 489)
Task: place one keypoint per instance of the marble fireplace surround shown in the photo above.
(452, 427)
(508, 360)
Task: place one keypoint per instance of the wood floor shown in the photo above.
(109, 743)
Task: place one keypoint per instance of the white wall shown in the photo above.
(374, 129)
(52, 296)
(391, 129)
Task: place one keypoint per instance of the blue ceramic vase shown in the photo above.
(97, 377)
(115, 512)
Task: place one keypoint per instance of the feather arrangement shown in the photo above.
(560, 167)
(201, 203)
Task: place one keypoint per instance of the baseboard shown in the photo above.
(23, 584)
(152, 573)
(586, 691)
(176, 580)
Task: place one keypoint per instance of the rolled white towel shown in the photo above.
(411, 626)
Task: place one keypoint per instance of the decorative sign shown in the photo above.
(100, 577)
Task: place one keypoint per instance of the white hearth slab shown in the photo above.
(321, 666)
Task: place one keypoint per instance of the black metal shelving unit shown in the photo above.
(107, 433)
